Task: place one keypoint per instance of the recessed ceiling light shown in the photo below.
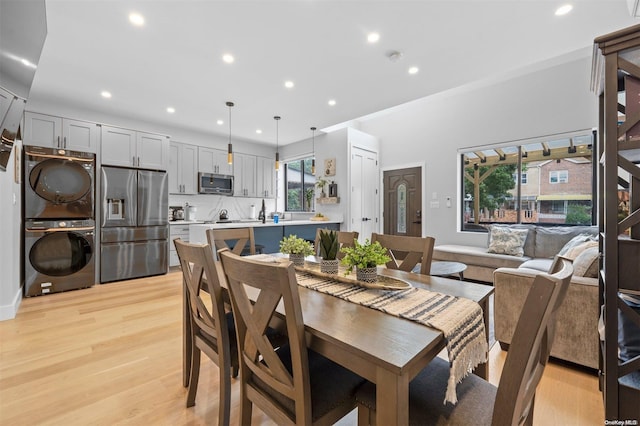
(228, 58)
(259, 131)
(373, 37)
(289, 84)
(219, 122)
(332, 102)
(563, 10)
(171, 110)
(136, 19)
(414, 70)
(105, 94)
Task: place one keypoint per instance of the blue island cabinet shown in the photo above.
(308, 232)
(270, 236)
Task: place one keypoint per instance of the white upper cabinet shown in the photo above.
(214, 161)
(152, 151)
(182, 168)
(266, 177)
(128, 148)
(57, 132)
(245, 179)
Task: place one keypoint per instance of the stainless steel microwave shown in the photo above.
(210, 183)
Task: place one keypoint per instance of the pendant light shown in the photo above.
(277, 118)
(230, 146)
(313, 160)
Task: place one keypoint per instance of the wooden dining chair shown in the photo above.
(243, 240)
(345, 239)
(479, 402)
(407, 252)
(291, 384)
(212, 329)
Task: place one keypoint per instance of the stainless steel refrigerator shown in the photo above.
(134, 223)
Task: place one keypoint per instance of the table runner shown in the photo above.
(460, 320)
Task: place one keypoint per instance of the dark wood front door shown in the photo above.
(403, 202)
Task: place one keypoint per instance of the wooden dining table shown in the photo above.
(384, 349)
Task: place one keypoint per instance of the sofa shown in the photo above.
(576, 337)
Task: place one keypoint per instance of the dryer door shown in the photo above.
(58, 187)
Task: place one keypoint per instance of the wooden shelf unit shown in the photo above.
(616, 61)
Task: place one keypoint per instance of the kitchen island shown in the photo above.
(266, 234)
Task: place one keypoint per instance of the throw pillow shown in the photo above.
(576, 241)
(507, 241)
(577, 250)
(586, 264)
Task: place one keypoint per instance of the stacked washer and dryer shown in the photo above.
(59, 220)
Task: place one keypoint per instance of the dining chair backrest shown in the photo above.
(407, 252)
(290, 382)
(259, 363)
(209, 327)
(479, 402)
(243, 238)
(531, 345)
(345, 239)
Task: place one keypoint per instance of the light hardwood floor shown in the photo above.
(111, 354)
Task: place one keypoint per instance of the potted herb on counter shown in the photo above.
(296, 248)
(365, 258)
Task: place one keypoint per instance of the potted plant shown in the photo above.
(365, 257)
(296, 248)
(320, 184)
(308, 194)
(329, 251)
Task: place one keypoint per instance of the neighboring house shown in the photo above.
(549, 190)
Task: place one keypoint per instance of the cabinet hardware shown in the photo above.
(64, 142)
(59, 146)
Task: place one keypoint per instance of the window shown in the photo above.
(299, 185)
(523, 178)
(518, 183)
(559, 176)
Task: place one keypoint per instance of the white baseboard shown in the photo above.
(9, 311)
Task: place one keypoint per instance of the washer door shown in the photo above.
(60, 181)
(59, 254)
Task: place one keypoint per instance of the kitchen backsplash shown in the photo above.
(208, 206)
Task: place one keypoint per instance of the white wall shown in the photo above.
(327, 145)
(10, 224)
(549, 101)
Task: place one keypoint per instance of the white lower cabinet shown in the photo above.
(176, 231)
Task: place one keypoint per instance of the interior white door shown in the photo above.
(364, 192)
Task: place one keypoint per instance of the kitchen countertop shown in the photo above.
(256, 223)
(185, 222)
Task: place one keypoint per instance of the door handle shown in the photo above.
(364, 219)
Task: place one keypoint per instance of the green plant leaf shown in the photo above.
(294, 245)
(367, 255)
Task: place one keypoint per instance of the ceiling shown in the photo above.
(175, 59)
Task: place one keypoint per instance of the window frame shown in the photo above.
(559, 174)
(303, 184)
(474, 156)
